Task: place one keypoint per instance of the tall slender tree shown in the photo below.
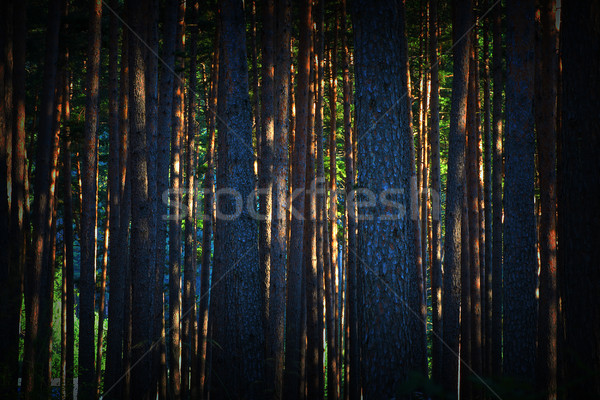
(519, 228)
(235, 301)
(497, 175)
(578, 214)
(436, 251)
(461, 18)
(546, 74)
(292, 383)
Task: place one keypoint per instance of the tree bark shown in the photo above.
(175, 214)
(292, 383)
(497, 205)
(461, 17)
(546, 74)
(520, 236)
(578, 187)
(436, 228)
(235, 301)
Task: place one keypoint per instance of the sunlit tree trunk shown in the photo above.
(436, 225)
(175, 214)
(578, 187)
(461, 18)
(520, 237)
(235, 301)
(292, 383)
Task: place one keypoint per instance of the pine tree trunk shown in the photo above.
(497, 205)
(545, 121)
(292, 382)
(208, 210)
(265, 183)
(578, 185)
(102, 299)
(188, 359)
(175, 215)
(391, 346)
(236, 300)
(461, 17)
(165, 109)
(520, 237)
(118, 257)
(436, 239)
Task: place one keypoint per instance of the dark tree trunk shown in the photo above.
(461, 17)
(175, 214)
(140, 254)
(545, 121)
(436, 225)
(281, 92)
(208, 210)
(165, 109)
(235, 301)
(497, 174)
(118, 258)
(265, 181)
(292, 383)
(473, 209)
(102, 299)
(520, 236)
(88, 210)
(391, 346)
(36, 336)
(579, 214)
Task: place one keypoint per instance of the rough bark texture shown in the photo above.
(579, 214)
(237, 368)
(275, 349)
(294, 320)
(497, 174)
(436, 189)
(519, 247)
(140, 259)
(461, 18)
(545, 121)
(390, 336)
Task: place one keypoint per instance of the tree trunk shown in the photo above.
(461, 17)
(497, 174)
(118, 257)
(175, 214)
(545, 122)
(578, 185)
(277, 304)
(165, 110)
(36, 336)
(391, 346)
(208, 210)
(188, 337)
(265, 184)
(102, 299)
(520, 236)
(436, 190)
(235, 301)
(292, 382)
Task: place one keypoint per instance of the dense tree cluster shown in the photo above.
(318, 199)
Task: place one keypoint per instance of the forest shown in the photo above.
(311, 199)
